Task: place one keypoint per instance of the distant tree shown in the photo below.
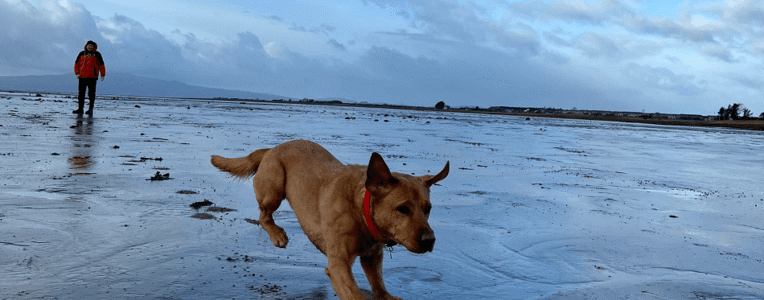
(440, 105)
(747, 114)
(723, 113)
(734, 110)
(761, 116)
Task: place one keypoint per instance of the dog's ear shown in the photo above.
(443, 173)
(378, 174)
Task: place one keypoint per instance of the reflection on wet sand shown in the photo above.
(82, 144)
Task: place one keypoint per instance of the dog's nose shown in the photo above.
(427, 241)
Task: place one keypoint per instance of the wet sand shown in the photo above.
(533, 209)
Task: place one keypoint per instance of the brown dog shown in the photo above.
(347, 211)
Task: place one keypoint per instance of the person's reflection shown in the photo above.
(82, 142)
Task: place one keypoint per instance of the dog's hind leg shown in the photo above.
(269, 191)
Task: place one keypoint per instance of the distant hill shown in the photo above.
(126, 85)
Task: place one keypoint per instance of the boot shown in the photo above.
(80, 106)
(90, 107)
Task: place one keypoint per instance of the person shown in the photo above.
(87, 66)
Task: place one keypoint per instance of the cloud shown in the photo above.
(683, 31)
(337, 45)
(718, 52)
(706, 26)
(463, 53)
(519, 37)
(597, 46)
(752, 83)
(662, 78)
(750, 12)
(43, 38)
(324, 29)
(583, 12)
(130, 47)
(277, 50)
(556, 40)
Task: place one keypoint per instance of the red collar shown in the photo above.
(367, 214)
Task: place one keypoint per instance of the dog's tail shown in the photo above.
(243, 167)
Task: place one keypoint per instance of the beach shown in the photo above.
(534, 207)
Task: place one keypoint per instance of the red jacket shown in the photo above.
(89, 63)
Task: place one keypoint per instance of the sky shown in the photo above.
(624, 55)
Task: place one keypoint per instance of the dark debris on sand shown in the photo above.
(198, 205)
(159, 176)
(220, 209)
(203, 216)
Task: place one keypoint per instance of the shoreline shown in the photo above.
(751, 124)
(757, 125)
(644, 118)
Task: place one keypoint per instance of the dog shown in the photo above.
(347, 211)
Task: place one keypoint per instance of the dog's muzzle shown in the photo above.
(426, 241)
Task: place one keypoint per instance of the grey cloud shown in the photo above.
(663, 78)
(420, 37)
(670, 28)
(612, 11)
(555, 58)
(673, 59)
(556, 40)
(750, 12)
(337, 45)
(712, 40)
(718, 52)
(324, 28)
(133, 48)
(595, 13)
(752, 83)
(597, 46)
(43, 39)
(452, 23)
(248, 52)
(520, 37)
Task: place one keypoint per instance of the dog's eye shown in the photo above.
(427, 209)
(403, 209)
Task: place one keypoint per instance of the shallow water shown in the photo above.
(539, 208)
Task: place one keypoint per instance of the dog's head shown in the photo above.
(401, 204)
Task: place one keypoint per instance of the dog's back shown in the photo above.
(306, 156)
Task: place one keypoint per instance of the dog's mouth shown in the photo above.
(422, 249)
(426, 243)
(426, 246)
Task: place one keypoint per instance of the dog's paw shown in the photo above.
(385, 296)
(279, 238)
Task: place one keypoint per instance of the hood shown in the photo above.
(95, 46)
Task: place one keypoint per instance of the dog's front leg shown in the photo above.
(341, 276)
(372, 266)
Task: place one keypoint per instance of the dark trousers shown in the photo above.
(90, 85)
